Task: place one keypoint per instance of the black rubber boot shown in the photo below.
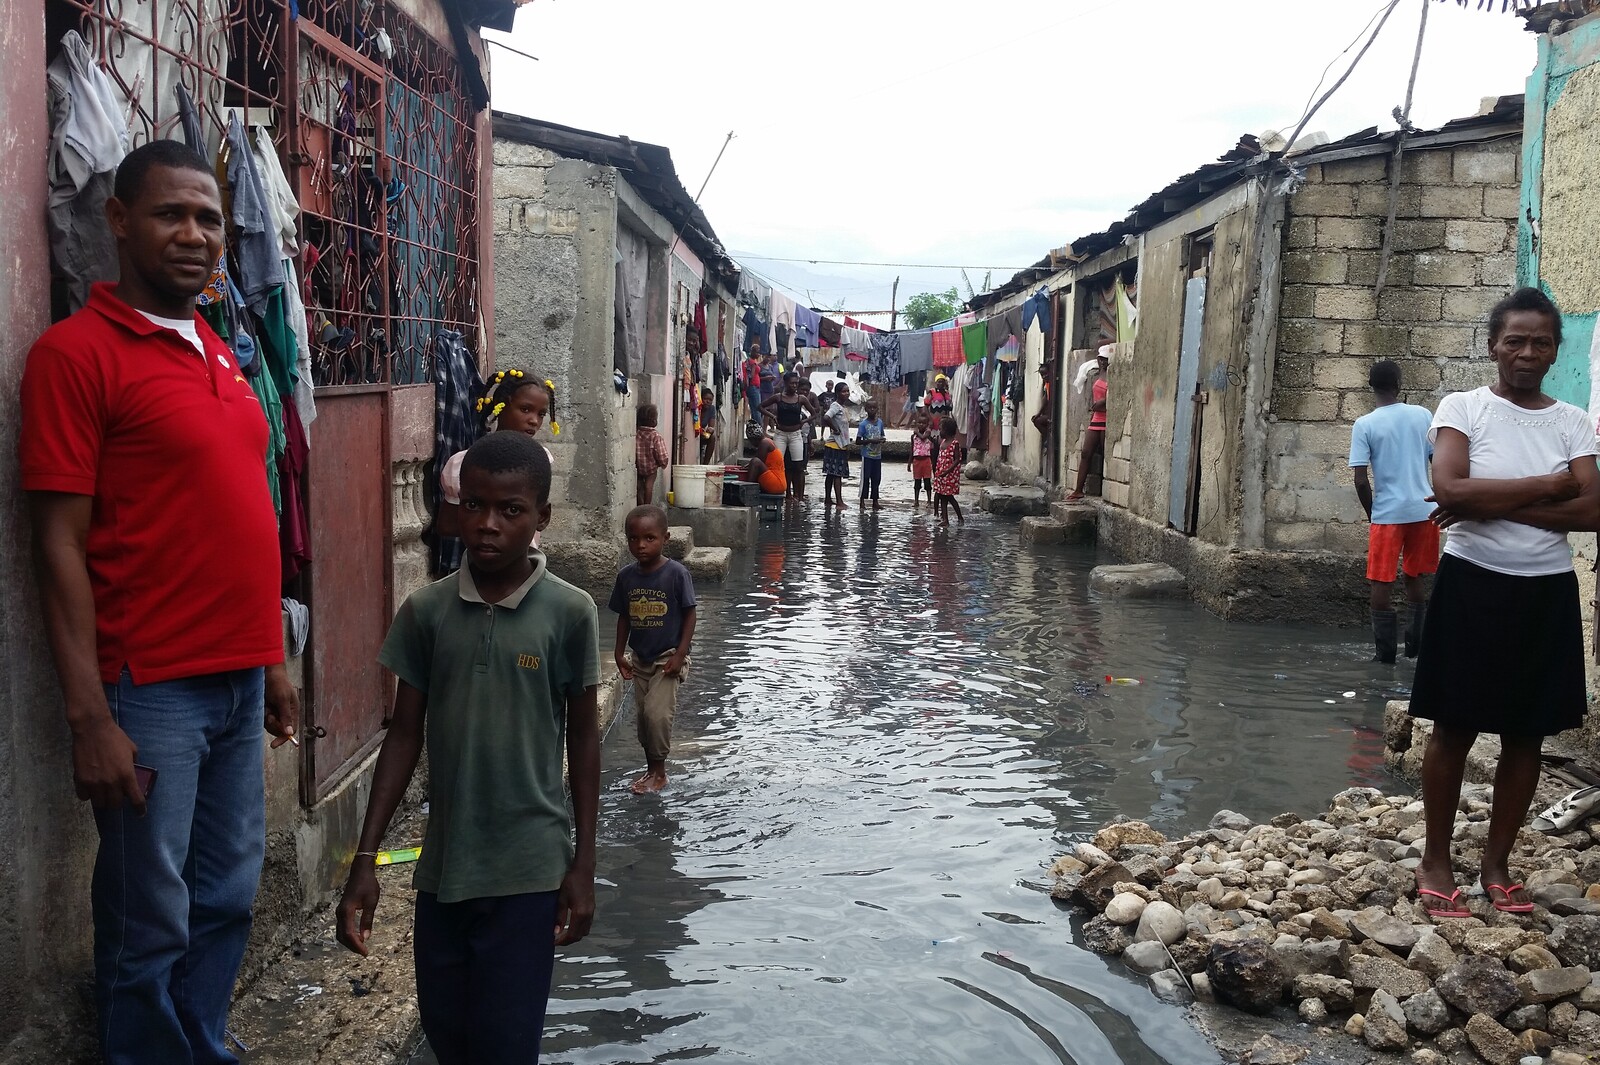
(1414, 628)
(1384, 623)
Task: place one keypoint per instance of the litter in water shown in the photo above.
(1280, 676)
(1349, 695)
(1124, 680)
(399, 857)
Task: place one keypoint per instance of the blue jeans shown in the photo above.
(871, 476)
(483, 976)
(173, 889)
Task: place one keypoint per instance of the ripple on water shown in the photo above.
(887, 733)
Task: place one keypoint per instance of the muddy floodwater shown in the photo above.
(887, 733)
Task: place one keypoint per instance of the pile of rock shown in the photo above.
(1322, 913)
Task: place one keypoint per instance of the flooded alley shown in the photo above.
(886, 729)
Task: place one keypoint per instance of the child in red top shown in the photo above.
(947, 475)
(921, 464)
(649, 454)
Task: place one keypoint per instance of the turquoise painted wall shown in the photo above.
(1559, 58)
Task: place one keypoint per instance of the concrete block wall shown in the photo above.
(1453, 256)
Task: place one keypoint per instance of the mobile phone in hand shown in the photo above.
(146, 778)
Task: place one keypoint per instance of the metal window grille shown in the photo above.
(368, 116)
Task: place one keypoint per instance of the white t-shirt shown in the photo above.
(182, 326)
(1506, 441)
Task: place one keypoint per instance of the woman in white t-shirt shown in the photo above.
(1502, 645)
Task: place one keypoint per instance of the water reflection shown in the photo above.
(889, 729)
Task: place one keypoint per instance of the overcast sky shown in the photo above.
(978, 135)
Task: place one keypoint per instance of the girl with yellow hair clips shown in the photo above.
(513, 401)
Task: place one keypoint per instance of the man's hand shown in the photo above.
(623, 667)
(102, 765)
(674, 665)
(283, 706)
(360, 901)
(575, 905)
(1440, 516)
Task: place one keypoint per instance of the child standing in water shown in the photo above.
(513, 401)
(921, 464)
(947, 477)
(870, 433)
(835, 459)
(649, 454)
(654, 603)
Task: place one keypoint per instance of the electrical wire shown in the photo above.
(855, 262)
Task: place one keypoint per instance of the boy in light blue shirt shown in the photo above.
(1392, 443)
(870, 433)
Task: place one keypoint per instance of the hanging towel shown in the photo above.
(916, 351)
(947, 348)
(1089, 368)
(975, 341)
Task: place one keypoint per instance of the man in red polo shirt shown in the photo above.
(143, 455)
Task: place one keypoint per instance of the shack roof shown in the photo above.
(1244, 160)
(648, 169)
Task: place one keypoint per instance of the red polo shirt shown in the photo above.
(183, 543)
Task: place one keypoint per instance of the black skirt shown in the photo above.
(1500, 653)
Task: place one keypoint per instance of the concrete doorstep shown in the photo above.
(1139, 580)
(998, 499)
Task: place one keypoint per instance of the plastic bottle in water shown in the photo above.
(1124, 680)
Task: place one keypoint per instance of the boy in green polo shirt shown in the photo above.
(497, 664)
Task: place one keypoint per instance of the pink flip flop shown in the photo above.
(1454, 910)
(1504, 904)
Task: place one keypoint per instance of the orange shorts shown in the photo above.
(1417, 542)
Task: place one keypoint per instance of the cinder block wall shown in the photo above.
(1453, 256)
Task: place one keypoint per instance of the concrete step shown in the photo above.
(1070, 513)
(1140, 580)
(680, 541)
(709, 563)
(1016, 502)
(717, 526)
(1037, 530)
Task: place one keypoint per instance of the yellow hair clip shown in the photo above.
(515, 373)
(551, 385)
(498, 407)
(555, 428)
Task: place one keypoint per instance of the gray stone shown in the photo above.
(1270, 1050)
(1576, 941)
(1125, 908)
(975, 471)
(1527, 958)
(1479, 984)
(1313, 1011)
(1497, 942)
(1543, 986)
(1146, 958)
(1200, 984)
(1104, 937)
(1098, 886)
(1384, 927)
(1232, 820)
(1579, 907)
(1585, 1031)
(1160, 921)
(1246, 974)
(1431, 957)
(1550, 894)
(1525, 1017)
(1016, 502)
(1426, 1014)
(1139, 580)
(1493, 1042)
(1563, 1015)
(1338, 994)
(1368, 973)
(1386, 1023)
(1168, 985)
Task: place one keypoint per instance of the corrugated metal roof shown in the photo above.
(1245, 159)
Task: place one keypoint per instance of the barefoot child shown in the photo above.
(498, 666)
(835, 457)
(649, 454)
(921, 464)
(654, 603)
(947, 477)
(870, 434)
(514, 401)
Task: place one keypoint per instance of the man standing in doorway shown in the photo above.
(1094, 437)
(1392, 442)
(143, 454)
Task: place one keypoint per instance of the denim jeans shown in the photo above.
(871, 476)
(173, 889)
(483, 976)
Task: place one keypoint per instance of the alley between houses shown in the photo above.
(888, 733)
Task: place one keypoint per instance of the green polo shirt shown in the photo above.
(498, 678)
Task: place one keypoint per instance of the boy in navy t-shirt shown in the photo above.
(654, 603)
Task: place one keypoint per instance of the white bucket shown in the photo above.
(689, 487)
(713, 486)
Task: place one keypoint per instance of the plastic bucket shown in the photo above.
(689, 487)
(714, 477)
